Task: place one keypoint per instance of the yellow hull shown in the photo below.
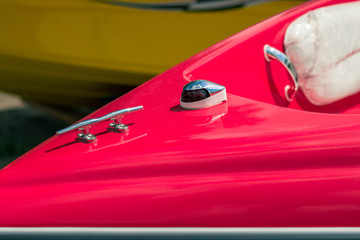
(77, 52)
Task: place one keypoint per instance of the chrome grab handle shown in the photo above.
(273, 53)
(85, 126)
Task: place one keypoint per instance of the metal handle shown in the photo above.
(85, 126)
(273, 53)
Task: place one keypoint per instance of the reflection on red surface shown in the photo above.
(251, 161)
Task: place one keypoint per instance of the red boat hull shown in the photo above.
(253, 161)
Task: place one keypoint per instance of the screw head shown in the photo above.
(86, 137)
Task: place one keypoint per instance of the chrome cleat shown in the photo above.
(84, 126)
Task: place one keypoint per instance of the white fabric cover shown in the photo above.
(324, 46)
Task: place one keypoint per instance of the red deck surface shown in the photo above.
(250, 162)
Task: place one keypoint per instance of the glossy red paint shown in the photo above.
(252, 161)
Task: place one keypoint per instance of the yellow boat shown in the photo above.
(81, 52)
